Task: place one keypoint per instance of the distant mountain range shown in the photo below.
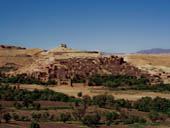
(154, 51)
(110, 53)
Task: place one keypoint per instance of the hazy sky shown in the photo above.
(106, 25)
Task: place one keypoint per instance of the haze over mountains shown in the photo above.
(147, 51)
(154, 51)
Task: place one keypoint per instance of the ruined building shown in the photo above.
(64, 64)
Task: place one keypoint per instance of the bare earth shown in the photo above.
(156, 64)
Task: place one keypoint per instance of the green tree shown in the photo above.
(103, 100)
(65, 117)
(86, 100)
(17, 105)
(34, 125)
(15, 116)
(110, 117)
(91, 120)
(45, 115)
(36, 116)
(7, 117)
(80, 109)
(27, 102)
(0, 106)
(37, 106)
(79, 94)
(154, 116)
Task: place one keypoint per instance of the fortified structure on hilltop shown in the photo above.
(63, 46)
(63, 64)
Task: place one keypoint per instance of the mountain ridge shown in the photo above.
(154, 51)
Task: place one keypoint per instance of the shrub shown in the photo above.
(36, 116)
(45, 115)
(86, 100)
(110, 84)
(27, 101)
(26, 80)
(79, 112)
(25, 118)
(15, 116)
(154, 116)
(65, 117)
(103, 100)
(147, 104)
(91, 120)
(142, 120)
(123, 103)
(112, 81)
(34, 125)
(78, 79)
(18, 105)
(52, 117)
(7, 117)
(80, 108)
(37, 106)
(7, 94)
(79, 94)
(133, 119)
(110, 117)
(143, 104)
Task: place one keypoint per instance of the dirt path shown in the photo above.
(92, 91)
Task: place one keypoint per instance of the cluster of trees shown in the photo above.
(145, 104)
(156, 88)
(34, 125)
(112, 81)
(148, 104)
(7, 117)
(27, 103)
(25, 80)
(124, 81)
(108, 101)
(113, 117)
(7, 93)
(36, 116)
(155, 116)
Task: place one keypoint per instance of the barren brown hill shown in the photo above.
(155, 64)
(18, 56)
